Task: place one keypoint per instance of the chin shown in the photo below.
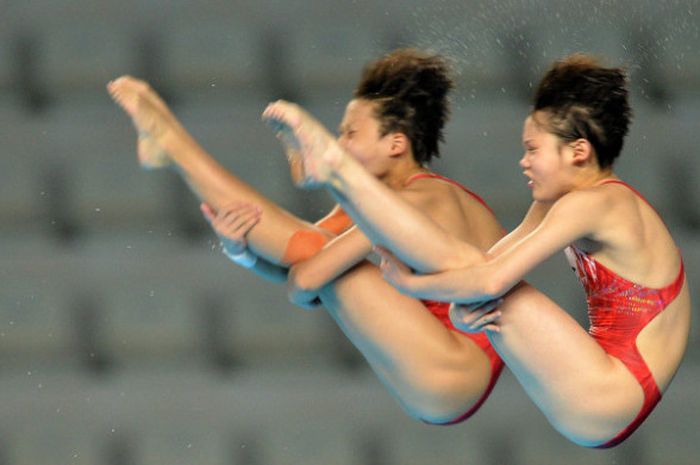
(539, 197)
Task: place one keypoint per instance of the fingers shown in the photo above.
(393, 270)
(486, 322)
(390, 261)
(382, 252)
(400, 275)
(233, 221)
(236, 225)
(475, 318)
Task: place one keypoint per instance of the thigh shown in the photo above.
(406, 344)
(579, 387)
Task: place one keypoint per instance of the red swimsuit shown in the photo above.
(441, 311)
(340, 221)
(618, 310)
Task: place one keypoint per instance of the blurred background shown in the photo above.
(126, 338)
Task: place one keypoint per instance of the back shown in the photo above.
(636, 243)
(455, 209)
(641, 250)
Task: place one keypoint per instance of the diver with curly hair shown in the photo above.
(594, 387)
(392, 128)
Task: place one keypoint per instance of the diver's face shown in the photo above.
(360, 135)
(544, 161)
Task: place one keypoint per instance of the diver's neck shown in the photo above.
(399, 177)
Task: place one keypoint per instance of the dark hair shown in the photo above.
(410, 90)
(584, 99)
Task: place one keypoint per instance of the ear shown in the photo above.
(582, 151)
(399, 143)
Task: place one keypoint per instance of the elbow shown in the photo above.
(300, 279)
(492, 290)
(494, 285)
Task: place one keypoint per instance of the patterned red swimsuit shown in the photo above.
(618, 310)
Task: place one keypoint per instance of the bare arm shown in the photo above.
(270, 271)
(574, 216)
(532, 220)
(393, 221)
(308, 277)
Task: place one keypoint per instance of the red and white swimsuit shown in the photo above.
(618, 310)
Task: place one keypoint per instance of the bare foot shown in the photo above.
(150, 115)
(307, 143)
(296, 165)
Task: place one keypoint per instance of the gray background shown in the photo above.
(125, 336)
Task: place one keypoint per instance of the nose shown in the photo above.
(524, 162)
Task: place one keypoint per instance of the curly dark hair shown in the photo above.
(410, 88)
(584, 99)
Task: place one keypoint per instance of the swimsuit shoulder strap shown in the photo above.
(448, 180)
(623, 183)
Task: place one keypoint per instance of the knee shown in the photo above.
(447, 393)
(591, 423)
(585, 435)
(450, 396)
(523, 301)
(300, 278)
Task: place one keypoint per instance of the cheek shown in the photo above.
(547, 163)
(352, 147)
(359, 151)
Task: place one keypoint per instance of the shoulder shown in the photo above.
(440, 188)
(591, 200)
(424, 189)
(598, 212)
